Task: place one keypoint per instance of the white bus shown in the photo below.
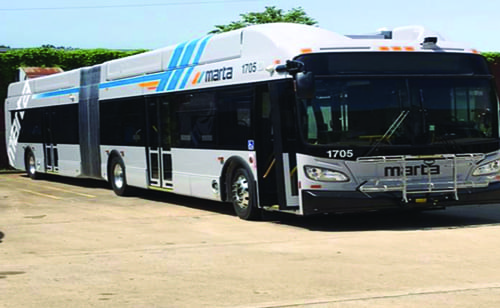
(280, 117)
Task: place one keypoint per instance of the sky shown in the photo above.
(151, 24)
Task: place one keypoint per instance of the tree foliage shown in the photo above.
(492, 57)
(271, 14)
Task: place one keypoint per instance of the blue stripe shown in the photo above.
(186, 77)
(56, 93)
(180, 58)
(174, 60)
(176, 56)
(196, 60)
(188, 53)
(175, 79)
(163, 82)
(201, 49)
(130, 81)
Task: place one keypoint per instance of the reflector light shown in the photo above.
(396, 48)
(475, 51)
(306, 50)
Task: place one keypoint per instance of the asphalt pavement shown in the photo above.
(73, 243)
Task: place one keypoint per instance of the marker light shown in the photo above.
(396, 48)
(324, 175)
(488, 168)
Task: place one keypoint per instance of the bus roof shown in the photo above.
(266, 45)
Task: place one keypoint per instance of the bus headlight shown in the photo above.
(489, 168)
(325, 175)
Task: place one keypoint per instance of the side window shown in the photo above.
(31, 125)
(65, 124)
(221, 120)
(60, 125)
(234, 118)
(195, 115)
(122, 122)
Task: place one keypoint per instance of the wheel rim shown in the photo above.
(118, 176)
(31, 164)
(241, 195)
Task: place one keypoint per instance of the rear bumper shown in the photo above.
(316, 201)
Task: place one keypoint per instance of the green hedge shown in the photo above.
(492, 57)
(11, 60)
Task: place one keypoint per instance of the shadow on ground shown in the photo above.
(80, 182)
(452, 217)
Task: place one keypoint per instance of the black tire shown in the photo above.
(30, 165)
(243, 195)
(117, 176)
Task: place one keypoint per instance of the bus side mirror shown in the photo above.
(304, 85)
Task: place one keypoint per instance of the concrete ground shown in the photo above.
(73, 243)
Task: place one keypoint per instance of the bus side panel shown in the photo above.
(37, 150)
(195, 170)
(8, 127)
(16, 156)
(69, 159)
(134, 159)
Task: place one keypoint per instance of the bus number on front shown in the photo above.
(249, 68)
(340, 153)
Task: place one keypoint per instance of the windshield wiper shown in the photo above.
(391, 130)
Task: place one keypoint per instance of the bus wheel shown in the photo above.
(117, 176)
(30, 165)
(243, 195)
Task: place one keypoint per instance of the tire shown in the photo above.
(117, 176)
(243, 195)
(30, 165)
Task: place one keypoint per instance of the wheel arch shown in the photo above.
(113, 154)
(28, 150)
(230, 166)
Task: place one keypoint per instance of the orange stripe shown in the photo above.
(149, 84)
(195, 79)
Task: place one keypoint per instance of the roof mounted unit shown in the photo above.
(430, 42)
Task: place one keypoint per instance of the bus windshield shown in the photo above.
(388, 110)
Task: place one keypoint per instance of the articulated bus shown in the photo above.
(278, 117)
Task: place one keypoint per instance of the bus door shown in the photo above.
(281, 147)
(49, 145)
(159, 143)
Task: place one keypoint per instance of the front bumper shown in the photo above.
(317, 201)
